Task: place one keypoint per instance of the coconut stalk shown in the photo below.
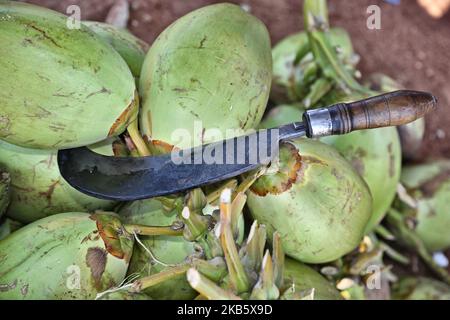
(155, 254)
(317, 26)
(238, 278)
(138, 141)
(296, 74)
(250, 273)
(234, 271)
(410, 239)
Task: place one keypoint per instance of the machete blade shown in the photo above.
(133, 178)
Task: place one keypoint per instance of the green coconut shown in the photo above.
(60, 87)
(415, 177)
(280, 115)
(130, 48)
(306, 278)
(38, 189)
(65, 256)
(420, 289)
(430, 185)
(376, 155)
(211, 68)
(314, 199)
(5, 191)
(294, 67)
(168, 250)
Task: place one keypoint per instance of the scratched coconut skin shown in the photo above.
(65, 87)
(41, 260)
(315, 200)
(130, 48)
(212, 65)
(38, 189)
(377, 157)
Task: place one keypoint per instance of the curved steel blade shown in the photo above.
(133, 178)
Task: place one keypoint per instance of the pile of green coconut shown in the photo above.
(334, 219)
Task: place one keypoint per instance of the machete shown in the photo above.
(133, 178)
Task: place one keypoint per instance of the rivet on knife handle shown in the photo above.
(390, 109)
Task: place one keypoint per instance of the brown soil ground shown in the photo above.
(411, 47)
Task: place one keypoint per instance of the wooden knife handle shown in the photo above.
(390, 109)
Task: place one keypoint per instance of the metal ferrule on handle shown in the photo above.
(318, 123)
(390, 109)
(334, 120)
